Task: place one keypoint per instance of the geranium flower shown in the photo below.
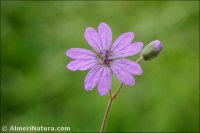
(106, 58)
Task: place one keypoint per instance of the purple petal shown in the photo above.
(105, 35)
(92, 38)
(129, 50)
(122, 41)
(80, 53)
(92, 77)
(157, 44)
(123, 75)
(104, 83)
(128, 65)
(82, 64)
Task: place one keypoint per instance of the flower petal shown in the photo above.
(92, 38)
(82, 64)
(129, 50)
(105, 35)
(104, 83)
(122, 41)
(80, 53)
(128, 65)
(92, 77)
(123, 75)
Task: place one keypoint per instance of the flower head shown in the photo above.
(107, 58)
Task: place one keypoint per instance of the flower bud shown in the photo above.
(151, 50)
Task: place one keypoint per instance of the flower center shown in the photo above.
(105, 54)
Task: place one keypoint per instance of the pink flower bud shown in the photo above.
(151, 50)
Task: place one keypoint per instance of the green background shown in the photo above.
(37, 89)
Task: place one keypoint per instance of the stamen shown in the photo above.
(105, 54)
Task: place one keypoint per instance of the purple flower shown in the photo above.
(107, 58)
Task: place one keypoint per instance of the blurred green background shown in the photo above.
(37, 89)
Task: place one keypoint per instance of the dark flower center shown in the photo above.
(105, 54)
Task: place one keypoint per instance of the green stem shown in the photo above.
(106, 114)
(111, 98)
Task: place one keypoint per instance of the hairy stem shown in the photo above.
(111, 98)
